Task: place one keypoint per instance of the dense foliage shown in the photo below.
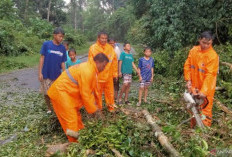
(25, 37)
(175, 24)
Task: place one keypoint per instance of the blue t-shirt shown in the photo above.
(145, 67)
(127, 59)
(54, 55)
(69, 63)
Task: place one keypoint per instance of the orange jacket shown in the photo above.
(201, 68)
(84, 94)
(111, 69)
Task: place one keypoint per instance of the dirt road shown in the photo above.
(24, 79)
(27, 79)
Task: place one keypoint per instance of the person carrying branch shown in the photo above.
(200, 74)
(76, 88)
(105, 79)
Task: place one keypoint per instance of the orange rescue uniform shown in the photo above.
(68, 97)
(105, 78)
(201, 68)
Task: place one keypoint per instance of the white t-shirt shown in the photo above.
(117, 51)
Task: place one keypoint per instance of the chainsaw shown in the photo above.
(194, 105)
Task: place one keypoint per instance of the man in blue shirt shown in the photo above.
(52, 60)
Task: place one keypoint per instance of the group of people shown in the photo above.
(69, 85)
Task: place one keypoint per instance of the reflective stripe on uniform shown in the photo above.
(192, 66)
(201, 70)
(70, 77)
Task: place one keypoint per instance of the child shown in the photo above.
(73, 60)
(146, 73)
(126, 62)
(52, 60)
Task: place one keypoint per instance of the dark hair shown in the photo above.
(58, 30)
(72, 50)
(111, 39)
(101, 57)
(125, 43)
(207, 35)
(102, 33)
(65, 42)
(147, 48)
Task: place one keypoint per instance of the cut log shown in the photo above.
(160, 135)
(223, 107)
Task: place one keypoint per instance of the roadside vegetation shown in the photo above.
(169, 27)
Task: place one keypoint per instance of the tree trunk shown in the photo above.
(160, 135)
(49, 7)
(26, 9)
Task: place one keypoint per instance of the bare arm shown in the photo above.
(136, 69)
(152, 74)
(119, 69)
(41, 63)
(139, 73)
(63, 66)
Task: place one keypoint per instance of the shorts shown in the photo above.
(116, 85)
(45, 85)
(144, 83)
(127, 78)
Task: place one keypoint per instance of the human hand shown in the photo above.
(151, 79)
(120, 74)
(40, 78)
(140, 78)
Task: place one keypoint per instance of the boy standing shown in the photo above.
(52, 60)
(200, 73)
(126, 62)
(146, 73)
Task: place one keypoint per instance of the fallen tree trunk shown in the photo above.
(223, 107)
(227, 64)
(163, 101)
(219, 88)
(160, 135)
(116, 153)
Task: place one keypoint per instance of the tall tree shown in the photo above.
(49, 8)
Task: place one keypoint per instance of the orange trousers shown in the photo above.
(68, 114)
(108, 89)
(207, 111)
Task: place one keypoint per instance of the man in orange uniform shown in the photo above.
(74, 88)
(200, 72)
(105, 78)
